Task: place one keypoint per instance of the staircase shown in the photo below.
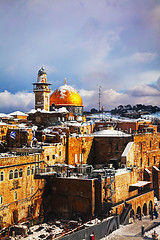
(124, 216)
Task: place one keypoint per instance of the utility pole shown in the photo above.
(99, 97)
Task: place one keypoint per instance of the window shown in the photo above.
(75, 158)
(154, 159)
(53, 156)
(159, 145)
(47, 157)
(10, 174)
(16, 173)
(141, 162)
(148, 161)
(59, 153)
(116, 147)
(32, 170)
(15, 195)
(2, 177)
(1, 199)
(150, 144)
(20, 172)
(32, 189)
(28, 171)
(37, 170)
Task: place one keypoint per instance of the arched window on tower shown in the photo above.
(15, 173)
(20, 172)
(10, 174)
(28, 171)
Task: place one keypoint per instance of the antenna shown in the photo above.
(99, 97)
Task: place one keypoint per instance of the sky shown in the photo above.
(109, 43)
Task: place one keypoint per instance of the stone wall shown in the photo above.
(80, 149)
(106, 148)
(55, 153)
(65, 197)
(21, 194)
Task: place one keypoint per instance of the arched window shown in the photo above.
(32, 170)
(10, 174)
(15, 195)
(150, 144)
(154, 159)
(2, 177)
(28, 171)
(15, 173)
(20, 172)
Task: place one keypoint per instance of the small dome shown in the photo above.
(41, 71)
(66, 95)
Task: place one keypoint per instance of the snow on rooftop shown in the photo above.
(3, 115)
(44, 111)
(156, 168)
(147, 170)
(62, 110)
(110, 133)
(18, 113)
(22, 125)
(127, 149)
(2, 123)
(79, 119)
(32, 111)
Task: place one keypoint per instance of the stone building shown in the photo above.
(91, 196)
(20, 193)
(48, 118)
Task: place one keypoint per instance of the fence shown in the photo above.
(100, 230)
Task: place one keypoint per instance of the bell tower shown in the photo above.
(42, 90)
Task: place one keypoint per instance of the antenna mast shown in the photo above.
(99, 97)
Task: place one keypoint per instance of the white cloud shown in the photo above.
(85, 93)
(142, 57)
(18, 101)
(143, 94)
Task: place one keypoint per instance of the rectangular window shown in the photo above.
(15, 195)
(154, 160)
(59, 153)
(1, 199)
(47, 157)
(1, 176)
(53, 156)
(75, 158)
(81, 157)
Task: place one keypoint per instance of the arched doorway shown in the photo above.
(132, 213)
(145, 209)
(150, 207)
(138, 214)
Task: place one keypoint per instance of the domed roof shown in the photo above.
(41, 71)
(66, 95)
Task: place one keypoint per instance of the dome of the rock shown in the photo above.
(66, 95)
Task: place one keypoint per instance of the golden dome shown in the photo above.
(66, 95)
